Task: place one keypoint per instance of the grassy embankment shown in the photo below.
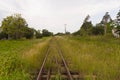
(95, 56)
(19, 57)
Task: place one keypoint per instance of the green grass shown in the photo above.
(94, 56)
(17, 58)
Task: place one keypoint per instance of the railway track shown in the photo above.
(60, 70)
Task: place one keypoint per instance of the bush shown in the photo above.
(46, 33)
(59, 34)
(98, 30)
(86, 29)
(29, 33)
(3, 35)
(76, 33)
(38, 34)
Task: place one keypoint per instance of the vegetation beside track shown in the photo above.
(19, 57)
(93, 56)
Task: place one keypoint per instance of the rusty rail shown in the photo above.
(48, 75)
(40, 72)
(67, 69)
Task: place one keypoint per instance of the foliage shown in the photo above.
(76, 33)
(46, 33)
(67, 33)
(16, 27)
(98, 30)
(86, 19)
(116, 23)
(59, 34)
(3, 35)
(101, 28)
(29, 32)
(109, 28)
(86, 29)
(38, 34)
(106, 21)
(118, 20)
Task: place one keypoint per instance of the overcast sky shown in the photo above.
(53, 14)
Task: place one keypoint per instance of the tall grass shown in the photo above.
(93, 56)
(12, 64)
(34, 56)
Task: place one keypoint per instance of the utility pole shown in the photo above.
(65, 27)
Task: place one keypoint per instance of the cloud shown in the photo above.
(53, 14)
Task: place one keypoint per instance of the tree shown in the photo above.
(86, 27)
(118, 20)
(98, 30)
(76, 33)
(14, 26)
(38, 34)
(86, 19)
(116, 24)
(59, 34)
(29, 32)
(3, 35)
(106, 20)
(68, 33)
(46, 33)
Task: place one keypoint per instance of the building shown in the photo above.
(115, 33)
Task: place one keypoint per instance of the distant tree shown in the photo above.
(118, 17)
(76, 33)
(14, 26)
(59, 34)
(86, 19)
(3, 35)
(116, 24)
(98, 30)
(67, 33)
(118, 20)
(29, 33)
(38, 34)
(106, 20)
(86, 27)
(46, 33)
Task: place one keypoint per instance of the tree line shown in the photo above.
(103, 28)
(16, 27)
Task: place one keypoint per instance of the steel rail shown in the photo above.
(41, 69)
(61, 54)
(49, 75)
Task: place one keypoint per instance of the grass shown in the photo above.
(53, 56)
(94, 56)
(53, 61)
(18, 57)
